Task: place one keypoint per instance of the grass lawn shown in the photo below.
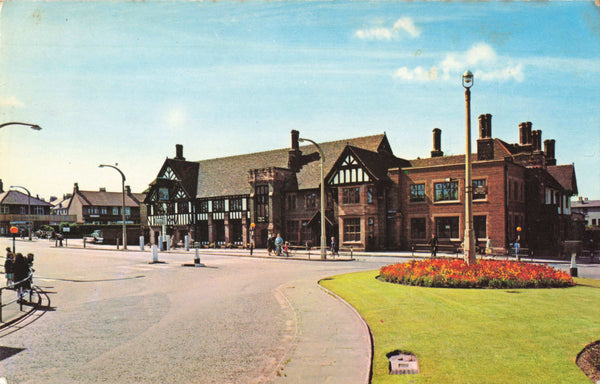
(476, 336)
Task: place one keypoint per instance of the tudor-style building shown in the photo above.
(375, 200)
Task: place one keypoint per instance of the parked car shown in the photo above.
(96, 237)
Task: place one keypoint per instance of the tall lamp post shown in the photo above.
(28, 208)
(123, 206)
(469, 242)
(323, 233)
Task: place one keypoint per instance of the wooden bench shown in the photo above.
(443, 246)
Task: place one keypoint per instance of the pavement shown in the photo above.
(327, 341)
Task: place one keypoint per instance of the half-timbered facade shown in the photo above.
(375, 200)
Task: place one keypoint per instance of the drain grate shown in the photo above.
(403, 363)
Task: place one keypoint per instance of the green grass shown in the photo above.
(476, 336)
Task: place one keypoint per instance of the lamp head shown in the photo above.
(36, 127)
(467, 79)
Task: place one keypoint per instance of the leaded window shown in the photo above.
(446, 191)
(417, 192)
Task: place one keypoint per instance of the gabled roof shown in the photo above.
(62, 203)
(108, 199)
(19, 198)
(374, 163)
(228, 176)
(565, 175)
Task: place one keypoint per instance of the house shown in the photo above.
(590, 209)
(102, 207)
(18, 209)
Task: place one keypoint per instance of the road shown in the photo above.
(111, 316)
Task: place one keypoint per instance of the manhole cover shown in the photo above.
(403, 363)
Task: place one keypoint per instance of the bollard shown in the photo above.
(187, 243)
(141, 243)
(197, 262)
(84, 243)
(160, 243)
(117, 243)
(573, 269)
(168, 247)
(154, 254)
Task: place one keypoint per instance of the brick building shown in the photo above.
(375, 200)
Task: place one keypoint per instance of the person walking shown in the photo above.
(334, 247)
(270, 244)
(8, 268)
(278, 244)
(433, 244)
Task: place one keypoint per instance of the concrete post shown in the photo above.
(141, 243)
(154, 254)
(187, 242)
(573, 269)
(160, 243)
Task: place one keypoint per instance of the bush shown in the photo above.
(456, 273)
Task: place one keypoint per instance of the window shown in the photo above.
(38, 210)
(262, 202)
(351, 195)
(182, 207)
(417, 192)
(418, 228)
(203, 206)
(311, 200)
(291, 202)
(351, 230)
(369, 194)
(115, 211)
(103, 210)
(447, 227)
(480, 227)
(236, 205)
(127, 211)
(447, 191)
(292, 228)
(219, 205)
(4, 209)
(479, 183)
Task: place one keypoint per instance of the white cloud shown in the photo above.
(404, 24)
(11, 101)
(374, 34)
(176, 118)
(480, 58)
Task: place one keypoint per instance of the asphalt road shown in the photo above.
(110, 316)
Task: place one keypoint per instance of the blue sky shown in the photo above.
(124, 81)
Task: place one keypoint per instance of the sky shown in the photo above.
(123, 82)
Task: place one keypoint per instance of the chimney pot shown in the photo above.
(295, 137)
(549, 149)
(482, 129)
(488, 126)
(529, 135)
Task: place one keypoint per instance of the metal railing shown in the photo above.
(19, 298)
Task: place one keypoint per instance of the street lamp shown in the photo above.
(323, 234)
(123, 207)
(28, 207)
(32, 126)
(469, 242)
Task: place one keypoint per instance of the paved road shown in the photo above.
(111, 316)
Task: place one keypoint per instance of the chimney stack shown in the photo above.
(485, 126)
(1, 186)
(102, 189)
(128, 190)
(482, 129)
(536, 140)
(75, 188)
(485, 144)
(549, 149)
(437, 143)
(179, 152)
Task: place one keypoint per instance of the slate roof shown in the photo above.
(500, 152)
(228, 176)
(108, 199)
(19, 198)
(376, 163)
(565, 175)
(187, 171)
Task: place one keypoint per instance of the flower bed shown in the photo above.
(455, 273)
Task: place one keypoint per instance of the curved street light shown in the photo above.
(123, 206)
(28, 207)
(32, 126)
(323, 234)
(469, 242)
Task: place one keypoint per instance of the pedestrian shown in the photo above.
(278, 244)
(270, 244)
(334, 247)
(433, 244)
(286, 249)
(8, 268)
(21, 271)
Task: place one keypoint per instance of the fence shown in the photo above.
(19, 298)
